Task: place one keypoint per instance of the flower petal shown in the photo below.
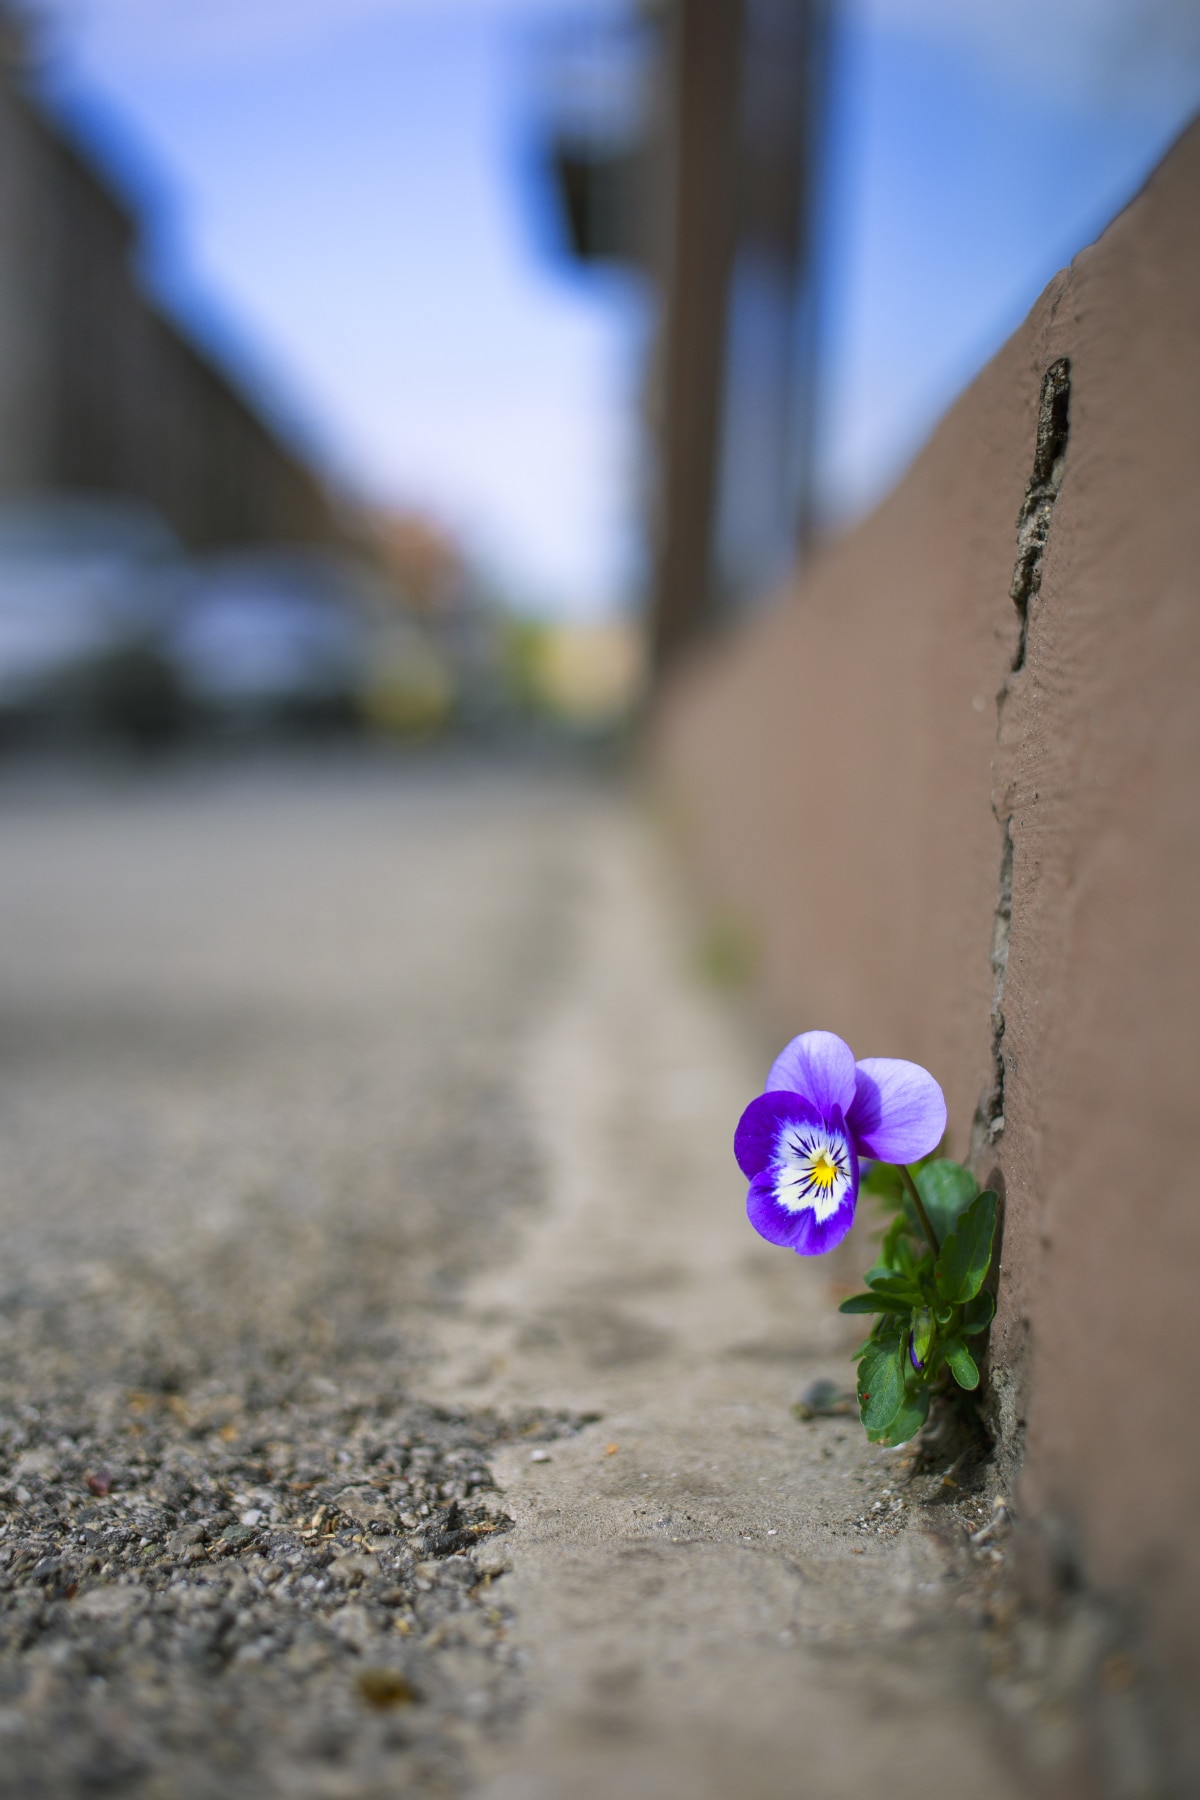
(818, 1065)
(804, 1172)
(826, 1234)
(758, 1128)
(771, 1220)
(898, 1112)
(800, 1231)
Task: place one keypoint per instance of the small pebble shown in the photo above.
(823, 1399)
(385, 1688)
(539, 1456)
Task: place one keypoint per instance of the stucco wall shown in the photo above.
(846, 771)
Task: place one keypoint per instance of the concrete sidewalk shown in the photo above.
(718, 1602)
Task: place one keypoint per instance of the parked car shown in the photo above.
(85, 598)
(270, 638)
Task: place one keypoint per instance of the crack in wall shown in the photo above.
(1037, 508)
(989, 1115)
(1033, 531)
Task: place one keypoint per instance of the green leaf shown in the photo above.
(966, 1254)
(873, 1303)
(895, 1230)
(922, 1330)
(881, 1385)
(895, 1250)
(884, 1182)
(914, 1411)
(963, 1366)
(947, 1190)
(906, 1260)
(899, 1287)
(888, 1328)
(978, 1315)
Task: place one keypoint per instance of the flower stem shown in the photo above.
(917, 1201)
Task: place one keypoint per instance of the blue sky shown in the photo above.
(973, 150)
(346, 207)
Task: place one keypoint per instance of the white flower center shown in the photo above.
(811, 1169)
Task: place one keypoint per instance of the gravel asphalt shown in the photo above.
(257, 1123)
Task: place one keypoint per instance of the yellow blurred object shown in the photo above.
(589, 674)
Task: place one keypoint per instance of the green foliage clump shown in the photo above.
(927, 1290)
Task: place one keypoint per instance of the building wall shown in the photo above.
(25, 374)
(97, 389)
(849, 770)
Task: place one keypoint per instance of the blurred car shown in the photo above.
(270, 638)
(85, 596)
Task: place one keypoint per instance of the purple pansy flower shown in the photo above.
(800, 1142)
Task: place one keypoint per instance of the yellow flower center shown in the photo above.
(822, 1172)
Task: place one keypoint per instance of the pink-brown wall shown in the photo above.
(846, 769)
